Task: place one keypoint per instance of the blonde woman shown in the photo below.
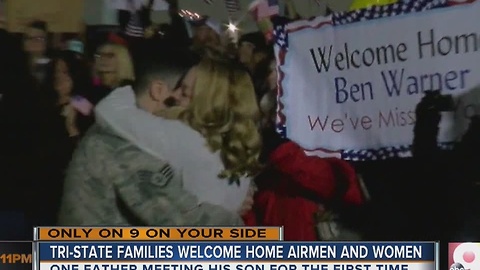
(217, 154)
(113, 68)
(222, 107)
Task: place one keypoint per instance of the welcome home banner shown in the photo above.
(351, 90)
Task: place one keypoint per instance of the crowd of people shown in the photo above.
(164, 129)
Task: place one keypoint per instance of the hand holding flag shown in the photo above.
(262, 11)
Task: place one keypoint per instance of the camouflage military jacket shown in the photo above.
(112, 182)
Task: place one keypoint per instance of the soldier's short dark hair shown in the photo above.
(168, 72)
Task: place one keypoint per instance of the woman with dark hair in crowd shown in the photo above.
(65, 117)
(67, 84)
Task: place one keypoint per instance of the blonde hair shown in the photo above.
(224, 110)
(125, 71)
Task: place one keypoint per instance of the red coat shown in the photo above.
(291, 190)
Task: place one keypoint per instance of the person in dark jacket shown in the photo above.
(452, 175)
(19, 96)
(18, 108)
(65, 116)
(15, 143)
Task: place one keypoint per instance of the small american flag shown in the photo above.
(264, 8)
(134, 27)
(280, 36)
(82, 105)
(232, 6)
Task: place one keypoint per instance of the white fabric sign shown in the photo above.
(363, 93)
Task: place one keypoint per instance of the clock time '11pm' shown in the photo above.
(13, 258)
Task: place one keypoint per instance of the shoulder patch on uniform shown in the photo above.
(159, 178)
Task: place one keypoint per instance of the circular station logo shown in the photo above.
(466, 256)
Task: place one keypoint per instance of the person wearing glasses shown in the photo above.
(35, 45)
(113, 68)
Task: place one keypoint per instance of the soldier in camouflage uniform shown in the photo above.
(112, 182)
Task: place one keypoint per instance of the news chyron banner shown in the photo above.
(16, 255)
(463, 256)
(158, 234)
(218, 249)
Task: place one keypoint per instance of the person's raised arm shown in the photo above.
(151, 133)
(178, 35)
(153, 193)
